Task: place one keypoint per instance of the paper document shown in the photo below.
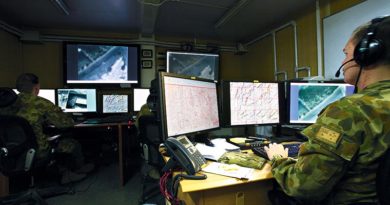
(223, 144)
(231, 170)
(213, 153)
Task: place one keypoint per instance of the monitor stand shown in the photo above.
(202, 138)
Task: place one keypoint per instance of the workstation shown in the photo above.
(247, 57)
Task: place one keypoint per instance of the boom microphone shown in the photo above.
(342, 65)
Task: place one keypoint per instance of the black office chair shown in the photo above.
(383, 179)
(17, 155)
(150, 139)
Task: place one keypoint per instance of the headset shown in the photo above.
(369, 49)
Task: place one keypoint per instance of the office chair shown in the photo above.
(150, 139)
(383, 179)
(17, 155)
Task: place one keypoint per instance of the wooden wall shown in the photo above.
(45, 59)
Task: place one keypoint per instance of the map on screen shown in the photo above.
(190, 105)
(115, 103)
(254, 103)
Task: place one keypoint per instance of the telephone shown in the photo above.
(181, 150)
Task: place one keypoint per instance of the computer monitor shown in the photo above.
(89, 63)
(115, 103)
(188, 105)
(202, 65)
(77, 100)
(308, 99)
(49, 94)
(251, 103)
(140, 95)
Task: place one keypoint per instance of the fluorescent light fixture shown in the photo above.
(230, 13)
(60, 4)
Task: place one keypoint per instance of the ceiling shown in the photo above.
(227, 20)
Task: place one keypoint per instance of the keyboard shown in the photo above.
(293, 150)
(108, 119)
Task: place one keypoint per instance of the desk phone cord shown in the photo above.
(170, 193)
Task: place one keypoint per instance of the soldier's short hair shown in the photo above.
(382, 33)
(26, 82)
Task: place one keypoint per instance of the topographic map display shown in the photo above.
(190, 105)
(254, 103)
(115, 103)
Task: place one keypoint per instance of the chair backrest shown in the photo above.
(7, 97)
(150, 135)
(17, 145)
(383, 179)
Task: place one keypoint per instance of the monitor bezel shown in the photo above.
(96, 100)
(226, 109)
(288, 98)
(162, 104)
(98, 84)
(216, 74)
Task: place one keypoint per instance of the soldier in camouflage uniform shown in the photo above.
(338, 163)
(40, 112)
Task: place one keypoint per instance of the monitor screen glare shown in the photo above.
(254, 103)
(115, 103)
(92, 63)
(190, 105)
(140, 97)
(202, 65)
(308, 99)
(49, 94)
(77, 100)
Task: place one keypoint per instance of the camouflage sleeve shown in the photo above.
(322, 160)
(54, 115)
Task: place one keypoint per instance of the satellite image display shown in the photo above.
(307, 100)
(193, 64)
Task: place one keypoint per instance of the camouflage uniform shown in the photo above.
(338, 164)
(41, 112)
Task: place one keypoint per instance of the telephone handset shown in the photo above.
(181, 150)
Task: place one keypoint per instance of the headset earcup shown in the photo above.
(365, 55)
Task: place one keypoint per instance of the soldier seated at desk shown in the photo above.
(40, 112)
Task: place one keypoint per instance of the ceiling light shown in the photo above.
(60, 4)
(230, 13)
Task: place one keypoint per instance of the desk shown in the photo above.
(121, 148)
(223, 190)
(217, 189)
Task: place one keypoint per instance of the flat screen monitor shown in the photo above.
(115, 103)
(251, 103)
(101, 63)
(49, 94)
(77, 100)
(202, 65)
(140, 96)
(188, 105)
(308, 99)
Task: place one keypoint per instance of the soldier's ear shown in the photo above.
(36, 89)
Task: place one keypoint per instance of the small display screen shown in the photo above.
(77, 100)
(115, 104)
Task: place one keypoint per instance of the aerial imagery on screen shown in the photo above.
(87, 63)
(200, 65)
